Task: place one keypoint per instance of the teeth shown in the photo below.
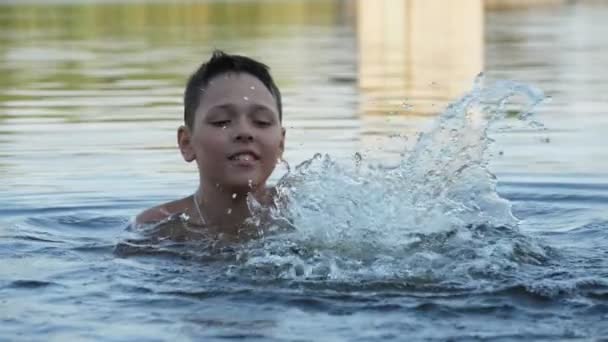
(243, 157)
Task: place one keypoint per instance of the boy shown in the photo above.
(233, 131)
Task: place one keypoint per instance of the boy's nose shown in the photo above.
(244, 137)
(243, 132)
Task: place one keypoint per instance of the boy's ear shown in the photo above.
(184, 140)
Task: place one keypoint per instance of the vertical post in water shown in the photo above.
(420, 49)
(414, 57)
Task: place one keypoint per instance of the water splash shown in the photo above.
(436, 217)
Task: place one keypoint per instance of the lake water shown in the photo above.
(399, 235)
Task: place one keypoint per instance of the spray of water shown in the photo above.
(435, 218)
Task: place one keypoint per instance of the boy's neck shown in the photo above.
(223, 209)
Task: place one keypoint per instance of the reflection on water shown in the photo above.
(98, 86)
(414, 57)
(519, 4)
(94, 90)
(425, 51)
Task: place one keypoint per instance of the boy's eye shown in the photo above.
(263, 123)
(220, 123)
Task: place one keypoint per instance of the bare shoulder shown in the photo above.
(163, 211)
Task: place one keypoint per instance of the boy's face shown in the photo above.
(237, 137)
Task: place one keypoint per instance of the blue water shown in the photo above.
(477, 221)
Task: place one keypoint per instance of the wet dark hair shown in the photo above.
(220, 63)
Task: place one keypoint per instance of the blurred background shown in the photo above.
(90, 91)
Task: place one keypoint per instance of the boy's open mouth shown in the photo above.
(244, 156)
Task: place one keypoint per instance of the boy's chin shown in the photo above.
(241, 186)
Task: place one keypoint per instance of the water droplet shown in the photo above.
(284, 163)
(224, 127)
(250, 183)
(229, 211)
(358, 158)
(202, 89)
(537, 125)
(252, 87)
(406, 105)
(245, 98)
(234, 195)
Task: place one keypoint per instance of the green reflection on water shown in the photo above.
(164, 21)
(88, 30)
(67, 62)
(93, 46)
(77, 46)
